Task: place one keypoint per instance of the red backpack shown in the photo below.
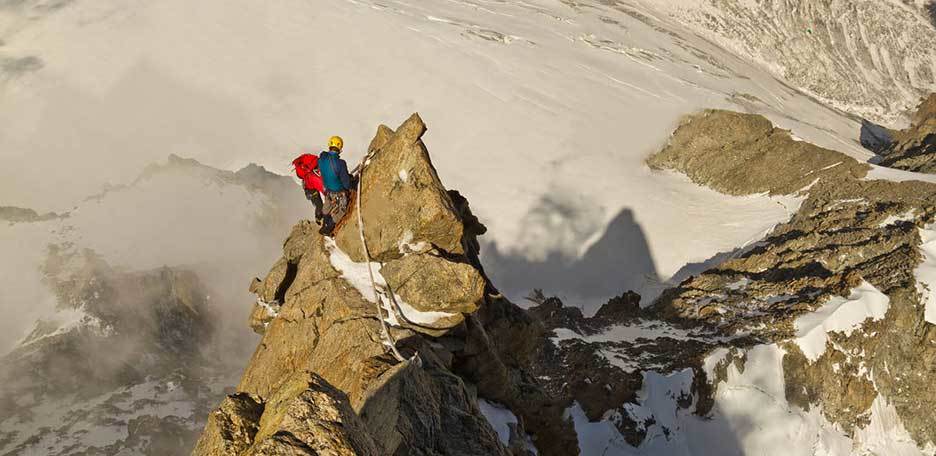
(307, 170)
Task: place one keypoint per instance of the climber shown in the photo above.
(337, 183)
(307, 170)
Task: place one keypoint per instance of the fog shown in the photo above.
(227, 228)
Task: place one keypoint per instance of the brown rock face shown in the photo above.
(743, 154)
(432, 283)
(405, 205)
(306, 416)
(914, 149)
(459, 342)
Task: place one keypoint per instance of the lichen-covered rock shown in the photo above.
(914, 149)
(404, 205)
(305, 416)
(743, 154)
(232, 427)
(434, 284)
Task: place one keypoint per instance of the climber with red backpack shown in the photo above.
(308, 171)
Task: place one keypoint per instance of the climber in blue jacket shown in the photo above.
(337, 182)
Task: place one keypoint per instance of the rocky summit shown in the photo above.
(323, 379)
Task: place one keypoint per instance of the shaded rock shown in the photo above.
(914, 149)
(232, 427)
(620, 308)
(405, 207)
(305, 416)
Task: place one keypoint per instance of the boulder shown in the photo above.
(433, 284)
(305, 416)
(708, 147)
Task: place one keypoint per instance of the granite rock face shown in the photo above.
(324, 355)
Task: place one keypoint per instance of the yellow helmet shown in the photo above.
(336, 142)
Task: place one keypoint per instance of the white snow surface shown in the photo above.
(565, 102)
(839, 314)
(926, 273)
(499, 417)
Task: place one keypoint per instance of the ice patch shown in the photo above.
(356, 274)
(840, 315)
(926, 273)
(499, 417)
(907, 216)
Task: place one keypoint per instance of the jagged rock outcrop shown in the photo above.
(709, 147)
(914, 149)
(309, 416)
(318, 315)
(825, 319)
(851, 240)
(406, 205)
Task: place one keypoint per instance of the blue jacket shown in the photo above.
(334, 172)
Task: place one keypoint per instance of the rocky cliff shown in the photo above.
(914, 148)
(819, 335)
(323, 380)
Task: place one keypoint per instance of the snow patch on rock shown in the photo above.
(499, 417)
(357, 275)
(840, 315)
(926, 273)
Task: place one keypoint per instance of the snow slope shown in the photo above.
(541, 112)
(872, 58)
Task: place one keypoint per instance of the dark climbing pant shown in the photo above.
(336, 207)
(316, 199)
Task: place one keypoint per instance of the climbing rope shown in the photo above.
(384, 331)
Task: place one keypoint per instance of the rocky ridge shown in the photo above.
(850, 236)
(322, 333)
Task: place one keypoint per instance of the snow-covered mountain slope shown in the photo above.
(872, 58)
(542, 111)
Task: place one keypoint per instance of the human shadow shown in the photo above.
(619, 261)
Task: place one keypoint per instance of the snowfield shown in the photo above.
(540, 112)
